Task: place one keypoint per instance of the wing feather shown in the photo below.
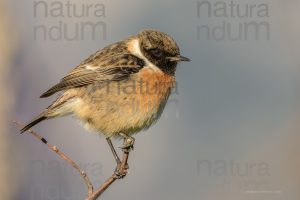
(75, 80)
(86, 74)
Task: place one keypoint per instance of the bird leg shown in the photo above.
(121, 170)
(118, 172)
(113, 150)
(122, 166)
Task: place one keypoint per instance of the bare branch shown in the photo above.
(119, 173)
(62, 155)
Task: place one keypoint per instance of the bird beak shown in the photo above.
(179, 59)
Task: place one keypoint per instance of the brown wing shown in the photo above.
(116, 68)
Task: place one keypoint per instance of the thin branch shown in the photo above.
(62, 155)
(119, 173)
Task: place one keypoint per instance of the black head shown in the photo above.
(160, 49)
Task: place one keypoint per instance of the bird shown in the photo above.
(121, 89)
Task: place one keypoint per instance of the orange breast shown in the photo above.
(154, 88)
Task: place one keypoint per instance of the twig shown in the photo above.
(62, 155)
(122, 172)
(119, 173)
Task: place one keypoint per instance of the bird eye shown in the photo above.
(156, 52)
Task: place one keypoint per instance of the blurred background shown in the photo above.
(230, 131)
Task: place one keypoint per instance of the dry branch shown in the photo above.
(119, 173)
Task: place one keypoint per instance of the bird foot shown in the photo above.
(121, 172)
(128, 143)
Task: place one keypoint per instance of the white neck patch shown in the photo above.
(136, 50)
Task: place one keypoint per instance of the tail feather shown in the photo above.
(62, 106)
(32, 123)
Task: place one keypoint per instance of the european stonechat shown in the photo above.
(121, 89)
